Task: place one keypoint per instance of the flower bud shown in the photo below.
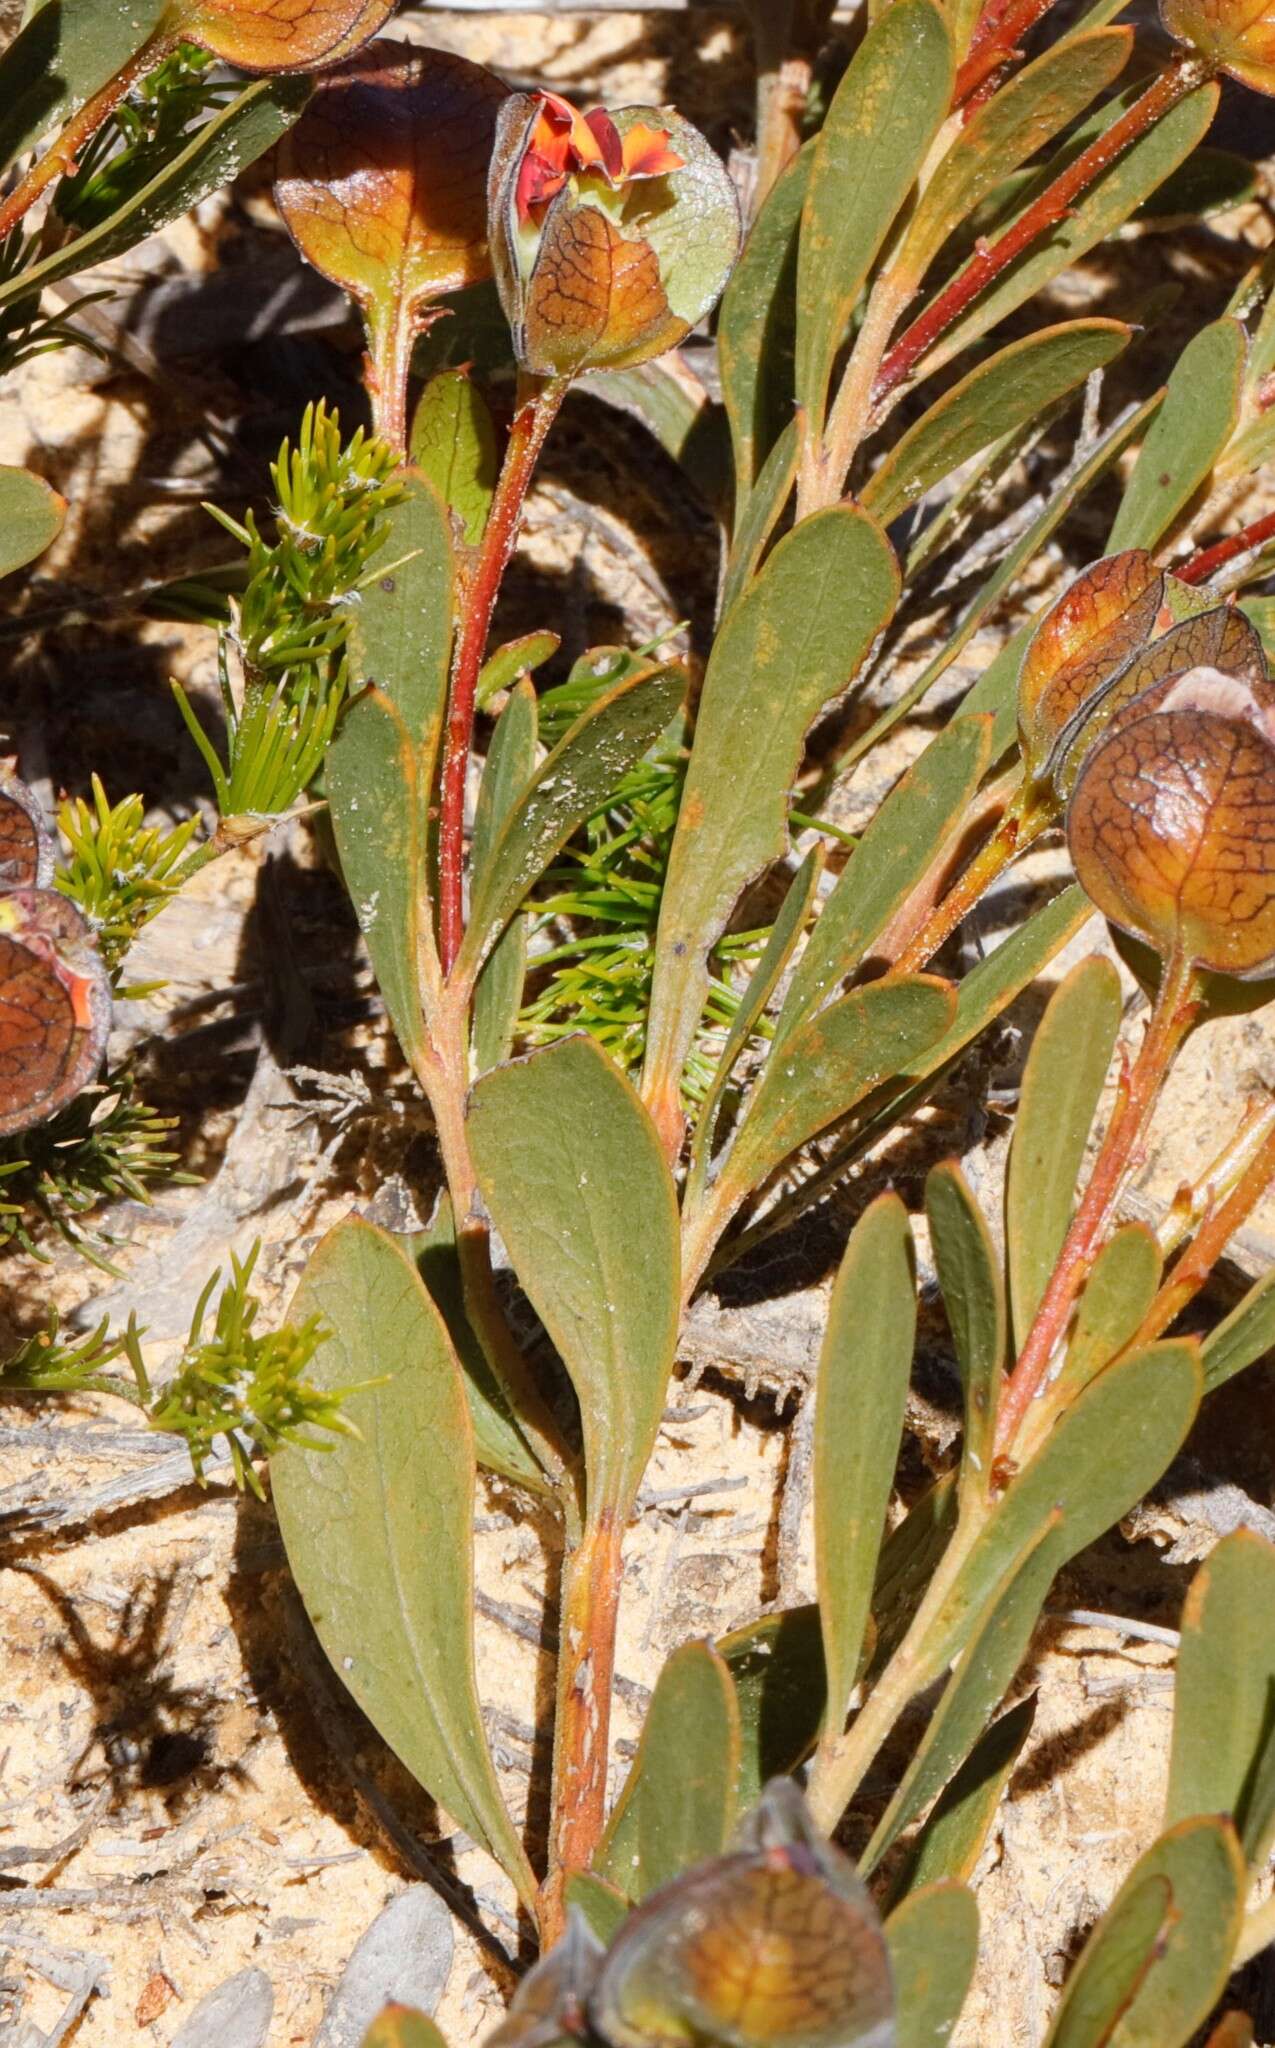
(611, 235)
(1171, 826)
(1235, 36)
(1105, 617)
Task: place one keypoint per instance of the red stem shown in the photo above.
(537, 410)
(581, 1737)
(1208, 560)
(1211, 1239)
(991, 258)
(1175, 1010)
(990, 50)
(60, 156)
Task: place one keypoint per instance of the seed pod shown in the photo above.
(1235, 36)
(1171, 827)
(1103, 619)
(611, 234)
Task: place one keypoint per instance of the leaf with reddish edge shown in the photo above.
(382, 184)
(1234, 36)
(262, 35)
(1103, 618)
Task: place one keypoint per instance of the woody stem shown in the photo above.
(538, 405)
(60, 156)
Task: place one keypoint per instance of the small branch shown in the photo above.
(1175, 1011)
(1183, 77)
(582, 1726)
(995, 43)
(1022, 824)
(538, 408)
(387, 371)
(1208, 561)
(59, 159)
(1216, 1231)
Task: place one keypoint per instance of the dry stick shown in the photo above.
(1208, 560)
(1182, 77)
(582, 1723)
(60, 156)
(783, 86)
(1176, 1008)
(537, 409)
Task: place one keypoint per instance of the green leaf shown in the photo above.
(1159, 1958)
(1210, 181)
(909, 832)
(997, 397)
(66, 51)
(933, 1943)
(498, 1442)
(1224, 1697)
(760, 513)
(217, 152)
(676, 410)
(908, 1561)
(1106, 1450)
(31, 516)
(678, 1805)
(992, 1653)
(510, 764)
(784, 936)
(572, 1171)
(1007, 131)
(571, 784)
(780, 1679)
(1246, 1335)
(969, 1273)
(377, 815)
(792, 643)
(453, 443)
(377, 1528)
(1062, 1084)
(954, 1835)
(516, 658)
(825, 1067)
(400, 2026)
(401, 629)
(1097, 213)
(756, 329)
(604, 1908)
(861, 1396)
(1200, 412)
(1117, 1296)
(885, 114)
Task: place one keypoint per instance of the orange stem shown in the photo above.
(1211, 1239)
(991, 258)
(1175, 1011)
(1207, 561)
(537, 410)
(59, 159)
(582, 1727)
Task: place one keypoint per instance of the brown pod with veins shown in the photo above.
(1171, 826)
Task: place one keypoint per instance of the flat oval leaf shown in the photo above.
(777, 1668)
(257, 38)
(65, 52)
(218, 151)
(1200, 412)
(759, 514)
(402, 2026)
(792, 643)
(973, 1291)
(510, 764)
(933, 1943)
(573, 1174)
(909, 832)
(31, 516)
(756, 327)
(1158, 1960)
(573, 783)
(679, 1804)
(997, 397)
(825, 1067)
(453, 442)
(377, 816)
(406, 1953)
(1118, 1295)
(1062, 1083)
(1244, 1336)
(1224, 1695)
(861, 1396)
(884, 115)
(954, 1835)
(377, 1528)
(401, 629)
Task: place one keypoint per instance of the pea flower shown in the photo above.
(1235, 36)
(1171, 826)
(611, 234)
